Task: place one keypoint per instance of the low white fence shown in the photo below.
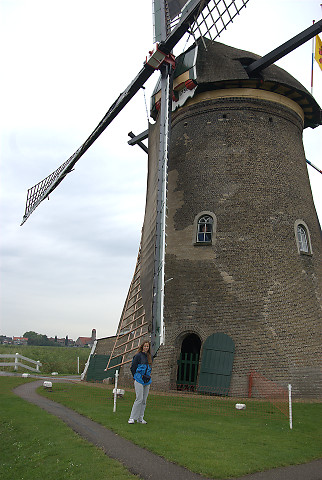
(17, 363)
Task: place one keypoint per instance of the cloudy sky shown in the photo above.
(68, 268)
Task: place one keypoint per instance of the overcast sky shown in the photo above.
(64, 62)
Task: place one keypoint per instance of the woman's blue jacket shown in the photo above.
(139, 367)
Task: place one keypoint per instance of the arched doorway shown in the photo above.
(188, 362)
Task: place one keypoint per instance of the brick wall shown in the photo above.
(243, 160)
(105, 345)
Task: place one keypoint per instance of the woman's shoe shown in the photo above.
(130, 420)
(140, 420)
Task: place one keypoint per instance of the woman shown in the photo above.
(141, 370)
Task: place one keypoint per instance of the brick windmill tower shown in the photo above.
(243, 239)
(242, 287)
(228, 276)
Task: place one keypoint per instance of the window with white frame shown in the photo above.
(205, 229)
(302, 239)
(302, 236)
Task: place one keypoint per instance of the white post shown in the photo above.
(89, 357)
(115, 390)
(16, 361)
(78, 365)
(312, 66)
(37, 366)
(290, 405)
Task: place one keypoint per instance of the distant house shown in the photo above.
(20, 340)
(62, 341)
(86, 341)
(6, 340)
(83, 342)
(57, 341)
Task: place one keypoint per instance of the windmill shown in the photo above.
(200, 18)
(173, 19)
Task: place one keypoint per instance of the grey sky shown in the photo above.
(68, 269)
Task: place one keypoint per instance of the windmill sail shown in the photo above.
(133, 327)
(200, 16)
(172, 10)
(175, 7)
(215, 17)
(210, 20)
(41, 190)
(138, 304)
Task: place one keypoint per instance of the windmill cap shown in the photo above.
(220, 66)
(224, 66)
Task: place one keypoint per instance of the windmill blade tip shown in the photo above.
(25, 218)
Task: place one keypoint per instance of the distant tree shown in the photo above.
(35, 338)
(66, 340)
(46, 342)
(32, 336)
(55, 338)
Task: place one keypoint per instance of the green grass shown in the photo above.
(215, 446)
(34, 445)
(54, 359)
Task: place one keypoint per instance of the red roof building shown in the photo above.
(86, 341)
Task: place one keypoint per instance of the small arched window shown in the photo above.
(302, 239)
(205, 229)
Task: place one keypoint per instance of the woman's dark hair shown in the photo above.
(148, 354)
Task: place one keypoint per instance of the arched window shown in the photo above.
(302, 239)
(302, 236)
(205, 229)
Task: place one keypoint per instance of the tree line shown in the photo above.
(35, 338)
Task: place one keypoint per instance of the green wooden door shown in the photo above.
(216, 364)
(96, 368)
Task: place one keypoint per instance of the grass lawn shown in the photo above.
(54, 359)
(215, 446)
(34, 445)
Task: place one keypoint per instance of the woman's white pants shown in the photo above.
(142, 392)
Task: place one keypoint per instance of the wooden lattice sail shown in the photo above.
(133, 326)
